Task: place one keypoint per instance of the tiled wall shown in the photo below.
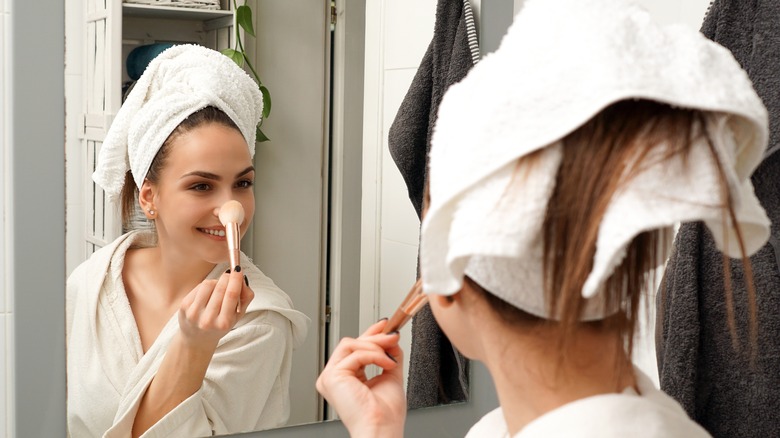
(5, 308)
(407, 31)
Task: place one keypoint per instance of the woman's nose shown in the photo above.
(222, 202)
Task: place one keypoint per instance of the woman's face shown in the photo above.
(205, 167)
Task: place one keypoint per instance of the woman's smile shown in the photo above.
(215, 233)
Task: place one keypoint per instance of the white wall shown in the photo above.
(5, 146)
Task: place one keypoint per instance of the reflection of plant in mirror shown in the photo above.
(244, 21)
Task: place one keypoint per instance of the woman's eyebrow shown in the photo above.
(209, 175)
(245, 171)
(202, 174)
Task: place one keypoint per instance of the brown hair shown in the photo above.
(599, 158)
(132, 217)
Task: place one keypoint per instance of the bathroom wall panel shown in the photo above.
(408, 30)
(399, 220)
(399, 271)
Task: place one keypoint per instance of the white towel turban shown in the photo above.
(560, 64)
(177, 83)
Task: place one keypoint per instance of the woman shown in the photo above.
(164, 338)
(593, 132)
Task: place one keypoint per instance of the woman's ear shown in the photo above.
(445, 301)
(146, 196)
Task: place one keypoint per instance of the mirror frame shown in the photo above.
(35, 228)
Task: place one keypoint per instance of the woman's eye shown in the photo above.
(202, 187)
(245, 183)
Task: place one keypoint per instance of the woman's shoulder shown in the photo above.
(93, 270)
(490, 425)
(651, 415)
(98, 260)
(104, 254)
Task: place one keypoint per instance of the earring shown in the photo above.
(151, 212)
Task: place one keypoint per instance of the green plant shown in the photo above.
(244, 21)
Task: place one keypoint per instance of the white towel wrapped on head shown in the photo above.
(561, 63)
(177, 83)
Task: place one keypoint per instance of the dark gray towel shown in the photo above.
(435, 371)
(697, 362)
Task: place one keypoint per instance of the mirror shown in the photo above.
(333, 225)
(288, 239)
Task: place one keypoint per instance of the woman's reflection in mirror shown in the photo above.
(558, 169)
(163, 336)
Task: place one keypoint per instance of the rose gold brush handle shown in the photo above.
(233, 238)
(414, 301)
(234, 244)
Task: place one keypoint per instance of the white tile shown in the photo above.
(399, 220)
(664, 11)
(396, 85)
(692, 13)
(5, 392)
(408, 31)
(398, 272)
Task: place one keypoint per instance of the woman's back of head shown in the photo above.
(561, 197)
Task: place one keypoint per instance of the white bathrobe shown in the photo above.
(246, 384)
(652, 414)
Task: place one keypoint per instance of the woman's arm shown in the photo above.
(205, 316)
(368, 408)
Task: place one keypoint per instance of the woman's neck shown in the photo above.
(529, 382)
(174, 274)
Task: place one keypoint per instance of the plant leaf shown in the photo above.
(235, 55)
(266, 101)
(260, 137)
(244, 19)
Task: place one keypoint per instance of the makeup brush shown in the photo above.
(414, 301)
(231, 214)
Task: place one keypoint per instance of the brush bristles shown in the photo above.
(231, 212)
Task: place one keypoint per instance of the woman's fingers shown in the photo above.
(357, 360)
(200, 296)
(351, 357)
(214, 305)
(366, 405)
(247, 295)
(378, 343)
(233, 290)
(375, 328)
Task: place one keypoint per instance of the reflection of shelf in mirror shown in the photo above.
(133, 10)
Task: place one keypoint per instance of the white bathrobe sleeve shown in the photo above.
(245, 387)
